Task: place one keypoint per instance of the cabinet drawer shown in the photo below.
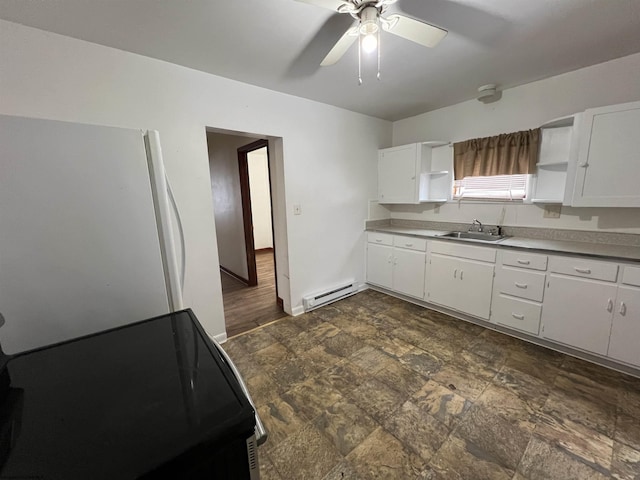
(520, 283)
(380, 238)
(525, 260)
(631, 276)
(580, 267)
(482, 254)
(519, 314)
(412, 243)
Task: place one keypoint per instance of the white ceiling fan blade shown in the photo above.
(414, 30)
(328, 4)
(341, 47)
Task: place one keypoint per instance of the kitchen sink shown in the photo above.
(482, 236)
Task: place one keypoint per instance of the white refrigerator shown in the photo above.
(86, 242)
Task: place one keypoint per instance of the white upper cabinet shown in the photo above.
(609, 157)
(398, 174)
(419, 172)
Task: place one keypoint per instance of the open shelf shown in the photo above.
(552, 164)
(546, 200)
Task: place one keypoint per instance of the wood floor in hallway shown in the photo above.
(246, 307)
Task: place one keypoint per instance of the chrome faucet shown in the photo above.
(478, 222)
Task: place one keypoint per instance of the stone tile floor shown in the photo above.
(374, 387)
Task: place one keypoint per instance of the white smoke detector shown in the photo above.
(488, 93)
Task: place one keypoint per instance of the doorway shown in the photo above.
(241, 183)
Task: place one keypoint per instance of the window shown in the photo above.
(497, 168)
(497, 187)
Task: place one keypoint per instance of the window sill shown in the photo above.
(488, 200)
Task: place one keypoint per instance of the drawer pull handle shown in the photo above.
(610, 305)
(461, 273)
(455, 273)
(523, 262)
(408, 244)
(521, 285)
(582, 270)
(378, 240)
(518, 316)
(623, 308)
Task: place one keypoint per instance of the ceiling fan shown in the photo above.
(370, 17)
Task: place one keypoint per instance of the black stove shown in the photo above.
(153, 399)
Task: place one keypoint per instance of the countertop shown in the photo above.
(600, 250)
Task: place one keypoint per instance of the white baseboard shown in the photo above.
(221, 337)
(299, 310)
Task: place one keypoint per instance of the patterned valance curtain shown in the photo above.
(506, 154)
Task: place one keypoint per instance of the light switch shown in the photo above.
(297, 210)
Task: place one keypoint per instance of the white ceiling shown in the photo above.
(278, 44)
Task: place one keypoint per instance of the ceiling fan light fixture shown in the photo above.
(370, 42)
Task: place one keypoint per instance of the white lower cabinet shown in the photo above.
(380, 265)
(588, 304)
(461, 284)
(518, 291)
(408, 272)
(625, 330)
(578, 312)
(399, 267)
(516, 313)
(442, 283)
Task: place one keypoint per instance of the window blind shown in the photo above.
(500, 187)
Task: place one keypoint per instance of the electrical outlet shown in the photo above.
(552, 211)
(297, 210)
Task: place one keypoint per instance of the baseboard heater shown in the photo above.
(311, 302)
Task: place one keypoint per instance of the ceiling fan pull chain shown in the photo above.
(359, 60)
(378, 75)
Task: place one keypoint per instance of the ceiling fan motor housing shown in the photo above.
(369, 20)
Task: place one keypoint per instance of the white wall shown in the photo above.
(227, 200)
(521, 108)
(327, 159)
(260, 198)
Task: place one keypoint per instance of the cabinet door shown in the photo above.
(473, 295)
(408, 272)
(578, 312)
(379, 265)
(398, 172)
(625, 330)
(463, 285)
(609, 158)
(443, 280)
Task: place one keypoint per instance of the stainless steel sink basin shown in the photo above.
(482, 236)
